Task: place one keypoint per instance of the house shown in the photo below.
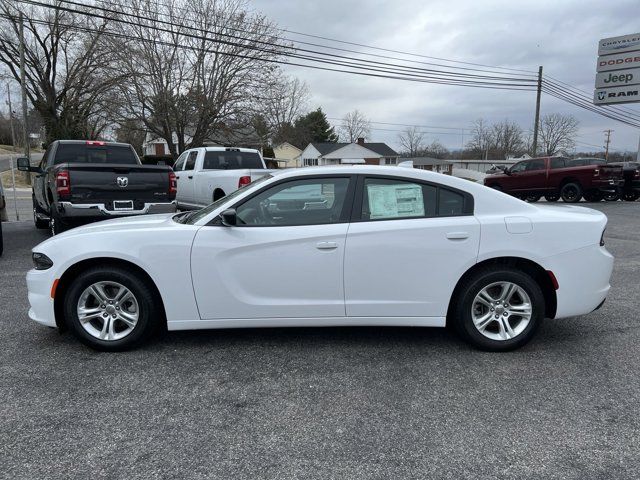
(428, 163)
(348, 153)
(288, 152)
(156, 146)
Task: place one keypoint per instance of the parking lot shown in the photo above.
(325, 403)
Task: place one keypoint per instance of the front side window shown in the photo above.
(537, 164)
(191, 160)
(312, 201)
(519, 167)
(180, 162)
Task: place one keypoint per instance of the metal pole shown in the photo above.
(23, 84)
(13, 179)
(13, 132)
(606, 152)
(535, 125)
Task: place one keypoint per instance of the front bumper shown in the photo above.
(39, 283)
(98, 210)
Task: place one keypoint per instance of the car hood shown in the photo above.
(140, 222)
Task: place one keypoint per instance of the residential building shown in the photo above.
(288, 152)
(348, 153)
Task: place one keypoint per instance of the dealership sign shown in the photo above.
(618, 70)
(618, 78)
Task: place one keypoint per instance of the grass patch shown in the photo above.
(7, 183)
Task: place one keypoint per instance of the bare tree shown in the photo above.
(354, 125)
(187, 83)
(557, 133)
(67, 81)
(435, 150)
(507, 139)
(411, 140)
(282, 100)
(481, 138)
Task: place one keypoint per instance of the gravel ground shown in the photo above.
(325, 403)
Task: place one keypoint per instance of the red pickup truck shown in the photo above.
(559, 177)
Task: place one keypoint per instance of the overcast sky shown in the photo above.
(561, 35)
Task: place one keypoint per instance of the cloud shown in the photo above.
(561, 36)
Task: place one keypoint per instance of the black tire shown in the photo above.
(593, 196)
(149, 314)
(463, 304)
(39, 223)
(532, 198)
(611, 196)
(552, 197)
(630, 196)
(571, 192)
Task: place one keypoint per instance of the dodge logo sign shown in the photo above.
(122, 181)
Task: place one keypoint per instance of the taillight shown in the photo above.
(244, 181)
(173, 184)
(63, 183)
(596, 172)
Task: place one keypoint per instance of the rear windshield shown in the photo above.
(231, 160)
(85, 153)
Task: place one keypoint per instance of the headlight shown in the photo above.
(41, 261)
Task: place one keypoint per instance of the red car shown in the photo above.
(559, 177)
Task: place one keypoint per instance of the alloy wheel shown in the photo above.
(501, 311)
(108, 311)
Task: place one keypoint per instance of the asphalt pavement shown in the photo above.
(397, 403)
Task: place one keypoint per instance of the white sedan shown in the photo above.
(329, 246)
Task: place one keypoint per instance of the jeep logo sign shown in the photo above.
(616, 95)
(618, 78)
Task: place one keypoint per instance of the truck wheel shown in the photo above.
(39, 222)
(571, 192)
(630, 196)
(552, 197)
(531, 198)
(612, 196)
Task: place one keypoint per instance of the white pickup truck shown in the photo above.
(206, 174)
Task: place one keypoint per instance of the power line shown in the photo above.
(407, 125)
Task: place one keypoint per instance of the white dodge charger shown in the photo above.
(329, 246)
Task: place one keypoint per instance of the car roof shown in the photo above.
(85, 142)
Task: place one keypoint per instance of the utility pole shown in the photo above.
(537, 122)
(25, 128)
(13, 132)
(607, 141)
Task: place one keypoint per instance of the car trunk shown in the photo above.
(106, 183)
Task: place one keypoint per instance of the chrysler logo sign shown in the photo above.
(122, 181)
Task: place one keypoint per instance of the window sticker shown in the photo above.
(393, 201)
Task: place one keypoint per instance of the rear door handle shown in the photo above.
(326, 245)
(457, 235)
(190, 176)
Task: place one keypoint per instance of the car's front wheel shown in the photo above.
(111, 309)
(498, 309)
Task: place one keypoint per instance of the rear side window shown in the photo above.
(96, 153)
(557, 163)
(230, 160)
(386, 199)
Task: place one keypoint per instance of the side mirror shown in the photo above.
(24, 165)
(229, 217)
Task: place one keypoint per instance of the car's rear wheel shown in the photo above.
(111, 309)
(611, 196)
(552, 197)
(498, 309)
(631, 196)
(571, 192)
(594, 196)
(532, 198)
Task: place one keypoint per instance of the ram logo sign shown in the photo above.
(616, 95)
(122, 182)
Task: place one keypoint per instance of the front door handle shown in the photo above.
(326, 245)
(457, 235)
(190, 176)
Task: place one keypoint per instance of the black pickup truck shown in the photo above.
(81, 181)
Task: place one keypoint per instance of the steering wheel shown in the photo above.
(265, 216)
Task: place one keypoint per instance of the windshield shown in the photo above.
(197, 215)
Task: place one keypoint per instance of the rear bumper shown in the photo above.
(99, 210)
(608, 186)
